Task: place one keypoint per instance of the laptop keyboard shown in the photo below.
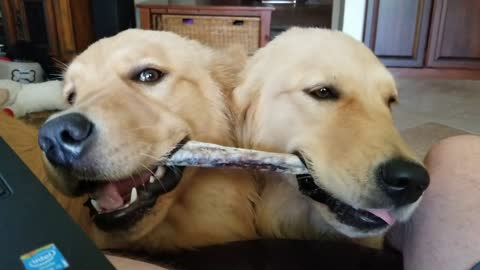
(3, 189)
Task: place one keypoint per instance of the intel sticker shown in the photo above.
(45, 258)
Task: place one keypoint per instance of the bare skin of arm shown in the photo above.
(444, 231)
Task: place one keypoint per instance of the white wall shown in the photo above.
(354, 18)
(137, 14)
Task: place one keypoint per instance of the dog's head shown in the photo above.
(326, 97)
(135, 97)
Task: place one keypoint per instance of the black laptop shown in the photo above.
(35, 231)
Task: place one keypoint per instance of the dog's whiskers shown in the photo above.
(59, 62)
(162, 158)
(57, 74)
(140, 176)
(304, 177)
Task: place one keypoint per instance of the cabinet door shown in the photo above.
(32, 21)
(66, 38)
(51, 27)
(455, 34)
(397, 31)
(13, 12)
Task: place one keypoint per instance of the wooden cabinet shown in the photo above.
(63, 26)
(312, 13)
(455, 35)
(397, 31)
(153, 15)
(436, 38)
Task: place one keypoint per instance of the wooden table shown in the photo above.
(149, 9)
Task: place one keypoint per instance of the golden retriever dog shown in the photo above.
(136, 97)
(324, 96)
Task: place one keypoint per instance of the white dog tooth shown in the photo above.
(133, 195)
(160, 172)
(96, 205)
(152, 179)
(125, 206)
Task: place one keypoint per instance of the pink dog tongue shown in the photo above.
(383, 214)
(109, 198)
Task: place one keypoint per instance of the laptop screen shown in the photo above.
(35, 231)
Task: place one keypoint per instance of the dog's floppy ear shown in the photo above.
(244, 99)
(4, 96)
(227, 65)
(244, 96)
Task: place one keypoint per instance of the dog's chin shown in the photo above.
(365, 220)
(117, 204)
(349, 220)
(343, 217)
(338, 226)
(401, 215)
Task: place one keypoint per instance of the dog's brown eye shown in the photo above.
(71, 97)
(148, 75)
(323, 93)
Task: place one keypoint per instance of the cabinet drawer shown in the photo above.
(215, 31)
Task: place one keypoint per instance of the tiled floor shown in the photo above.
(448, 102)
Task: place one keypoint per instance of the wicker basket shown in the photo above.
(216, 31)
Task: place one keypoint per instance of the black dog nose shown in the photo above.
(403, 181)
(65, 138)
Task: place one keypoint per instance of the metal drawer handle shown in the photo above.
(238, 22)
(187, 21)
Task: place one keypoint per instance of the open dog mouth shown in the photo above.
(117, 204)
(120, 203)
(361, 219)
(210, 155)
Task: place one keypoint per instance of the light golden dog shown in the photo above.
(326, 97)
(135, 98)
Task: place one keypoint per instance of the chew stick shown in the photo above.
(199, 154)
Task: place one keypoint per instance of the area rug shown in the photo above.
(422, 137)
